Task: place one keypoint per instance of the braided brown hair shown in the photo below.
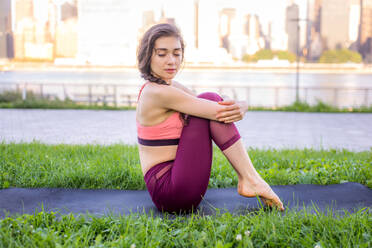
(146, 47)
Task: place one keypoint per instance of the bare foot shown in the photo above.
(261, 189)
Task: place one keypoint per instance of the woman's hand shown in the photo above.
(234, 111)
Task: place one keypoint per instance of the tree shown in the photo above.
(340, 56)
(286, 55)
(259, 55)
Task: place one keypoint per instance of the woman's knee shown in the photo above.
(210, 96)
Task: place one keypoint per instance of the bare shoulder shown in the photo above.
(183, 88)
(156, 95)
(154, 90)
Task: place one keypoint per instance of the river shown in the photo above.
(343, 89)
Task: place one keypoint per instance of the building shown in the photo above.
(23, 9)
(66, 39)
(314, 42)
(108, 31)
(252, 30)
(31, 41)
(365, 32)
(292, 27)
(6, 35)
(68, 10)
(335, 12)
(34, 31)
(226, 17)
(366, 20)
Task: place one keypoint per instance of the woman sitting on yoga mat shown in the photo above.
(175, 130)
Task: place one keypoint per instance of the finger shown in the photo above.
(231, 121)
(229, 111)
(228, 108)
(227, 114)
(227, 102)
(234, 116)
(229, 118)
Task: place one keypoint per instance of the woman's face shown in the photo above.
(166, 58)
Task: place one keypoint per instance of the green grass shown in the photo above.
(10, 99)
(259, 229)
(117, 167)
(320, 106)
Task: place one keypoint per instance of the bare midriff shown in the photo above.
(153, 155)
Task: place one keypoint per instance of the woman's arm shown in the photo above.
(182, 87)
(235, 111)
(170, 97)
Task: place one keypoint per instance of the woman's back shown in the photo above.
(158, 130)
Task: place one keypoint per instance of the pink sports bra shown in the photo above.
(165, 133)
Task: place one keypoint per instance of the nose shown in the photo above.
(171, 59)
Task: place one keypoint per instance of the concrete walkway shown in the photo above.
(258, 129)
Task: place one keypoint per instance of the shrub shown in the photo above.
(286, 55)
(10, 96)
(259, 55)
(266, 54)
(340, 56)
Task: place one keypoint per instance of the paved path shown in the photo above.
(258, 129)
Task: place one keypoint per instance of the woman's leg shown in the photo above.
(250, 183)
(187, 180)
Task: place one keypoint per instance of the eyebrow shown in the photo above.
(165, 49)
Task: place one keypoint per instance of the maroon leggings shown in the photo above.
(180, 184)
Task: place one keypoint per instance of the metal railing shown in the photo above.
(265, 96)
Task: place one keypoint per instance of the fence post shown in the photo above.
(105, 102)
(305, 100)
(276, 96)
(115, 96)
(129, 100)
(41, 90)
(24, 92)
(247, 92)
(64, 92)
(366, 97)
(335, 97)
(90, 94)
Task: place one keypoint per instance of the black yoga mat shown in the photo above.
(318, 198)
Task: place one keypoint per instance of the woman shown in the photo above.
(176, 128)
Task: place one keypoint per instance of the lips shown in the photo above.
(170, 70)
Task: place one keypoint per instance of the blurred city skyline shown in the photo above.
(107, 32)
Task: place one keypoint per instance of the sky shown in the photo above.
(266, 9)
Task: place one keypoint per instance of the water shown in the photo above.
(340, 86)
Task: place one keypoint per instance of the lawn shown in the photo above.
(117, 167)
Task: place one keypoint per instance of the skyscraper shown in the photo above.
(292, 16)
(226, 17)
(108, 31)
(23, 9)
(6, 37)
(335, 19)
(366, 20)
(68, 10)
(365, 32)
(252, 29)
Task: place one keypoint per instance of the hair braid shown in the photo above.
(152, 78)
